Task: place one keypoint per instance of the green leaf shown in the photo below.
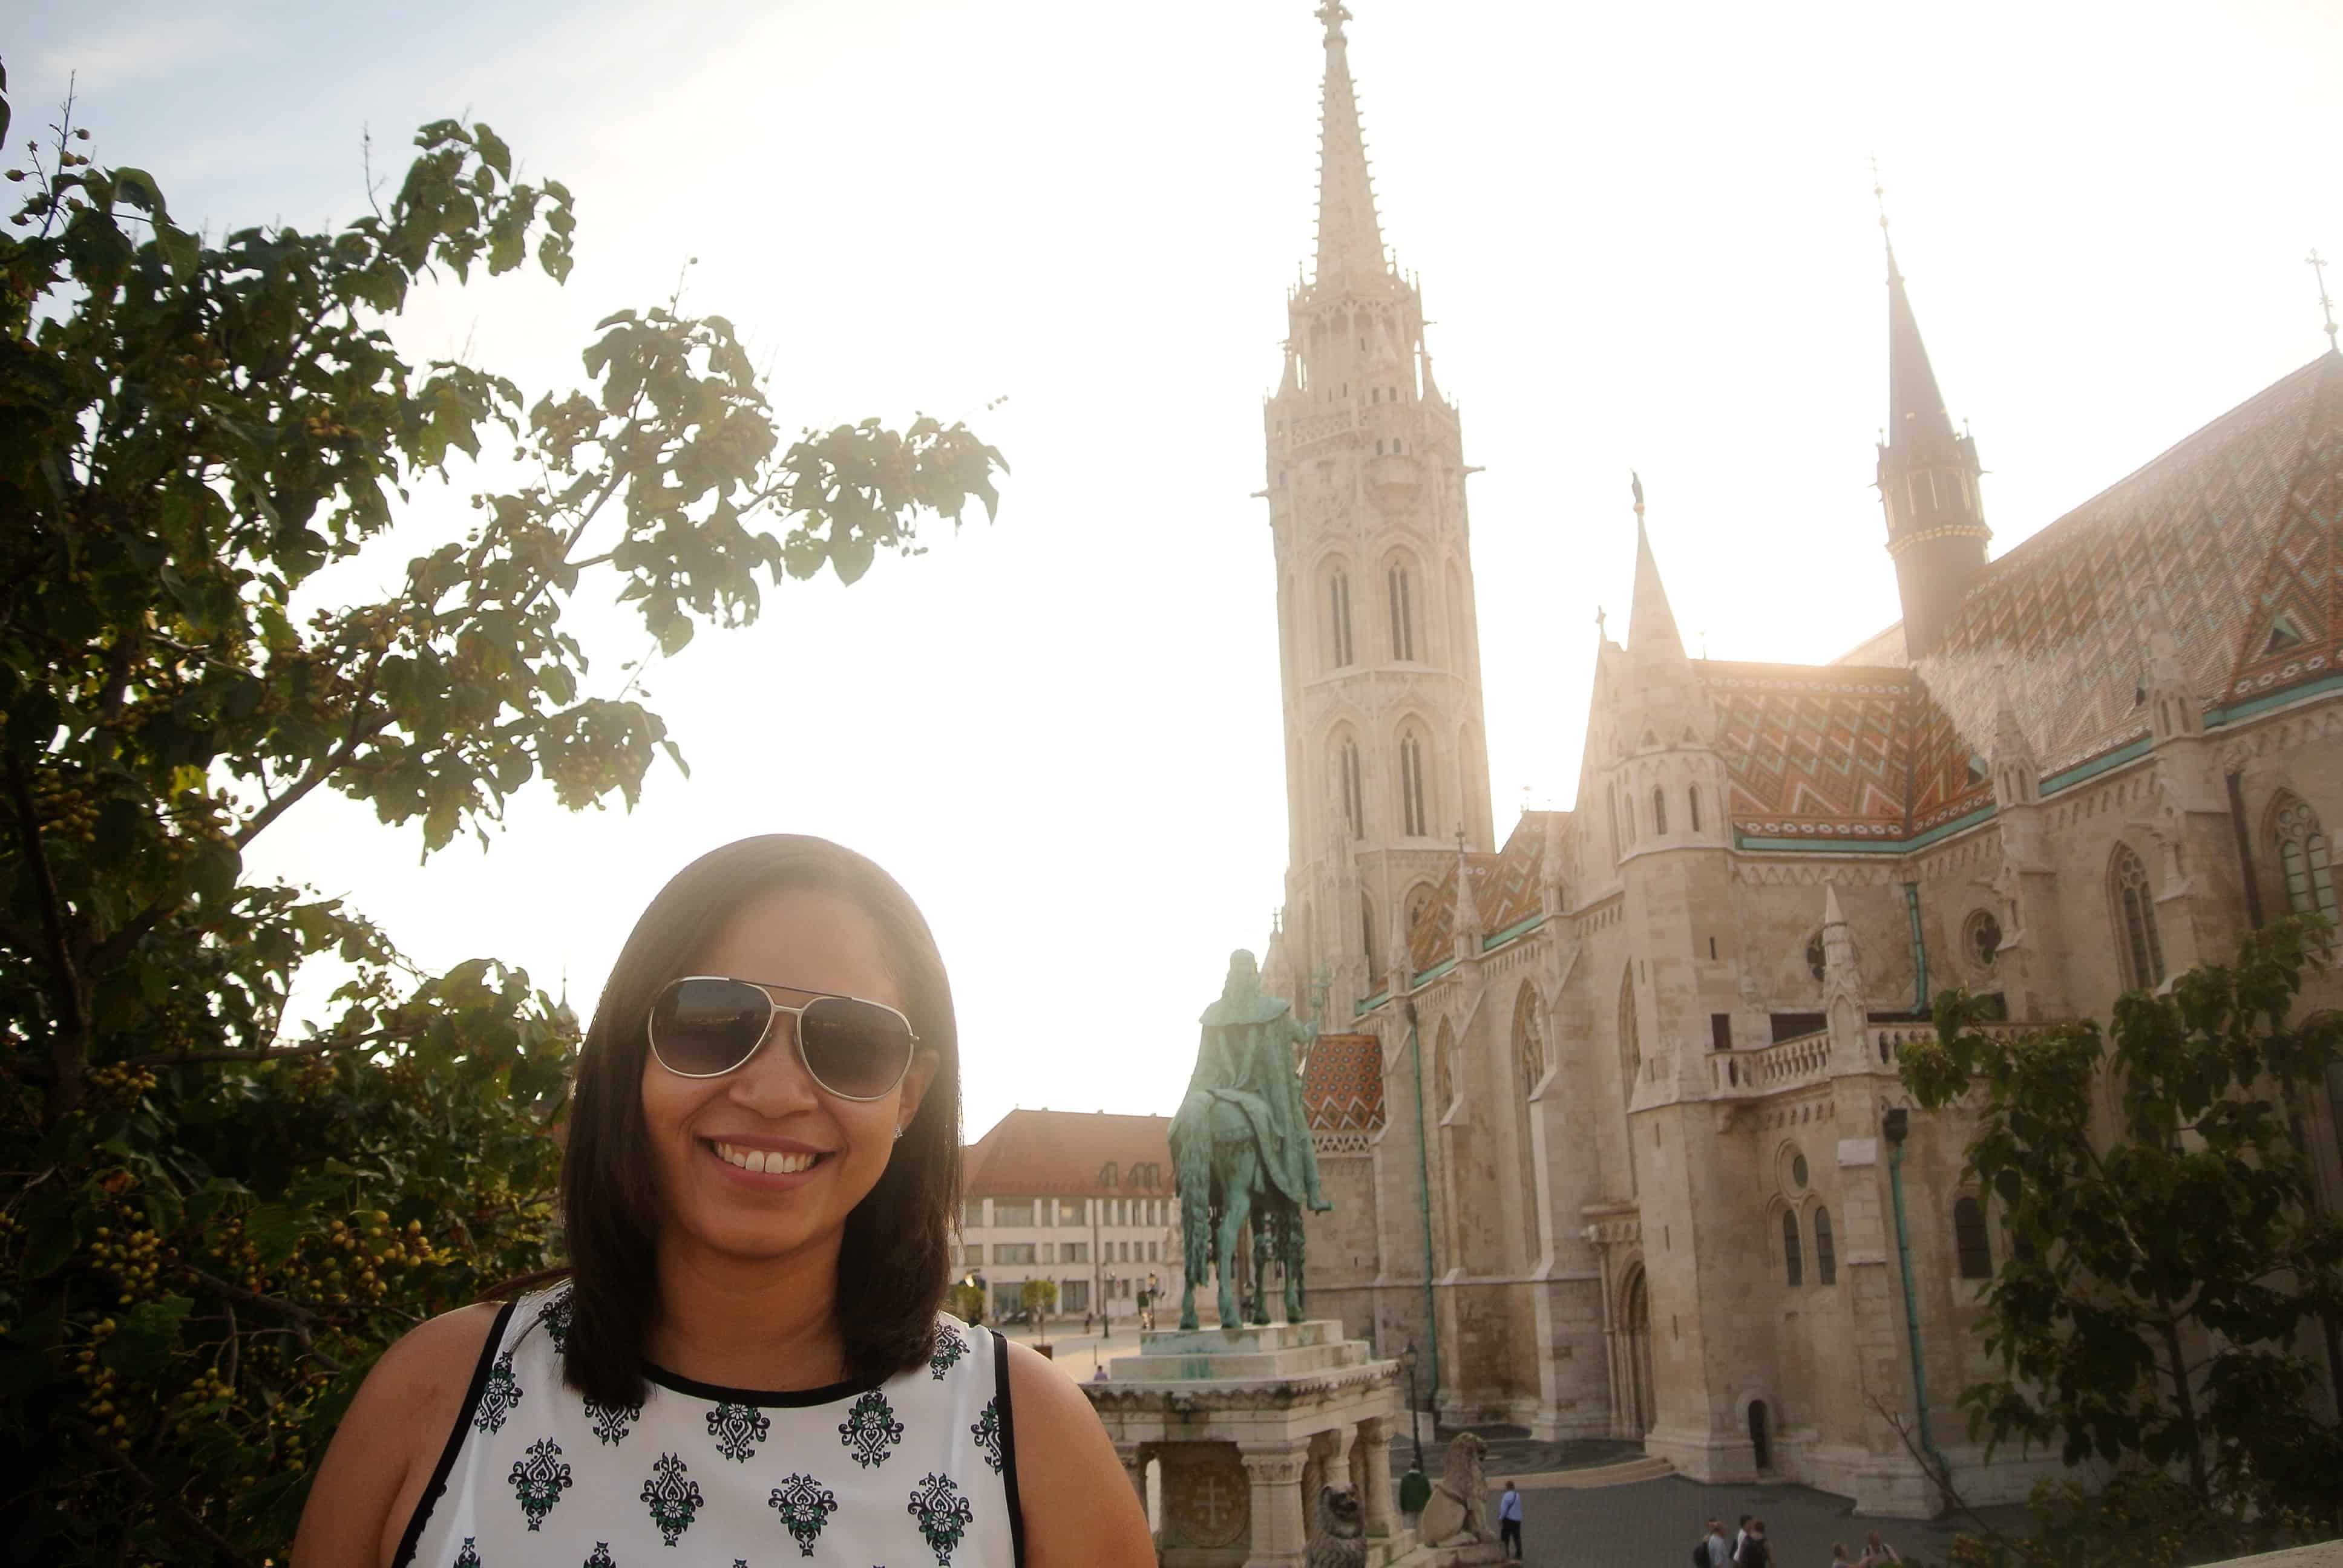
(493, 151)
(145, 1336)
(137, 187)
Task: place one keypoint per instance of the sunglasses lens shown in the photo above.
(701, 1027)
(856, 1049)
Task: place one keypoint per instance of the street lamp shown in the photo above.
(1414, 1487)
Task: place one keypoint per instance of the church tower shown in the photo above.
(1927, 483)
(1385, 761)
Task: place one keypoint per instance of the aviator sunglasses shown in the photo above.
(705, 1026)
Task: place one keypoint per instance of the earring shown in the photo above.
(899, 1133)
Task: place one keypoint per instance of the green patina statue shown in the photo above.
(1242, 1147)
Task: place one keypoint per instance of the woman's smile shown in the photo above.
(765, 1164)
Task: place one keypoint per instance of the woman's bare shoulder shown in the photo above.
(1063, 1453)
(389, 1439)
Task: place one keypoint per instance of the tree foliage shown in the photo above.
(212, 1219)
(2167, 1305)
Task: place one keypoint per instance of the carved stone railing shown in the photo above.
(1315, 427)
(1785, 1064)
(1889, 1040)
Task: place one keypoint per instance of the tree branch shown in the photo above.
(312, 1048)
(69, 1051)
(169, 1505)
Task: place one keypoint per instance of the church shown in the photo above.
(1609, 1106)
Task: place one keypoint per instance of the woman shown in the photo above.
(745, 1357)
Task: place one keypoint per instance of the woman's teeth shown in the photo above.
(772, 1161)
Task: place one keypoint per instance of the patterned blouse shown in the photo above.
(919, 1470)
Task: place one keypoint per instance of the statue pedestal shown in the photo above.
(1247, 1422)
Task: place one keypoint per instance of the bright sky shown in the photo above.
(1646, 237)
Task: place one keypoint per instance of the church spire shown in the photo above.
(1928, 478)
(1350, 236)
(1652, 634)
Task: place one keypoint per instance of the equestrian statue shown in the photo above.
(1240, 1145)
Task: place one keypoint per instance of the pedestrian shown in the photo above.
(1838, 1556)
(1876, 1551)
(1754, 1553)
(1086, 1325)
(1509, 1522)
(1739, 1536)
(1715, 1547)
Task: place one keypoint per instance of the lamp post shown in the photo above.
(1414, 1487)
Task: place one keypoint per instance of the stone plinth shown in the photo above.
(1247, 1422)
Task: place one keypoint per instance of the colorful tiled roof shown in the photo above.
(2233, 538)
(1508, 888)
(1342, 1084)
(1063, 1154)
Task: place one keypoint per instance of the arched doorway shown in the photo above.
(1638, 1402)
(1757, 1436)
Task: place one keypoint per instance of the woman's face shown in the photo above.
(798, 938)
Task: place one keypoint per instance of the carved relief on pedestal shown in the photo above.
(1207, 1501)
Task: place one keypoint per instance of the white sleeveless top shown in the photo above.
(919, 1470)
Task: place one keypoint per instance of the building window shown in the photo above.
(1817, 960)
(1413, 809)
(1403, 616)
(1792, 1265)
(972, 1254)
(1970, 1242)
(1109, 1175)
(1337, 612)
(1155, 1251)
(1659, 812)
(2136, 935)
(1825, 1251)
(1981, 938)
(1379, 448)
(1692, 799)
(971, 1214)
(1074, 1296)
(1012, 1212)
(1075, 1253)
(1013, 1252)
(1354, 796)
(2304, 859)
(1070, 1211)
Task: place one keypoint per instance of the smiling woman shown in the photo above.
(758, 1195)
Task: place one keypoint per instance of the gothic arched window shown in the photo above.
(1692, 799)
(1337, 616)
(2135, 910)
(1354, 799)
(1792, 1264)
(1618, 844)
(1416, 810)
(1825, 1250)
(2304, 859)
(1659, 812)
(1969, 1240)
(1403, 616)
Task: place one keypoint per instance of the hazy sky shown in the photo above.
(1646, 237)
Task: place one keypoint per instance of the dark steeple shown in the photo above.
(1927, 482)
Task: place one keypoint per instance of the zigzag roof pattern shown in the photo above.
(1508, 888)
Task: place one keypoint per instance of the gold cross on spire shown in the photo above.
(1879, 192)
(2317, 264)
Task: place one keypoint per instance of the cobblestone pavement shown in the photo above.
(1512, 1452)
(1653, 1523)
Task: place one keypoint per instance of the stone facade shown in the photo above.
(1601, 1109)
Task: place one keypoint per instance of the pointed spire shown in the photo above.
(1840, 976)
(1350, 236)
(1917, 419)
(1651, 623)
(2017, 776)
(1551, 884)
(1468, 911)
(2317, 264)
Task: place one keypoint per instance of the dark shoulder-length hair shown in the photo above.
(893, 1265)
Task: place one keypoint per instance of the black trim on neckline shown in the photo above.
(1008, 1448)
(769, 1398)
(424, 1504)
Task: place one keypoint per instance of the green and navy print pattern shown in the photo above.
(738, 1429)
(498, 1396)
(805, 1505)
(951, 1345)
(915, 1473)
(538, 1480)
(944, 1515)
(672, 1496)
(871, 1430)
(987, 1433)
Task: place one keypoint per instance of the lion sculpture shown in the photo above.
(1340, 1537)
(1457, 1513)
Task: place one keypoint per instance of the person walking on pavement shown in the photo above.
(1739, 1536)
(1715, 1547)
(1876, 1552)
(1509, 1522)
(1754, 1553)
